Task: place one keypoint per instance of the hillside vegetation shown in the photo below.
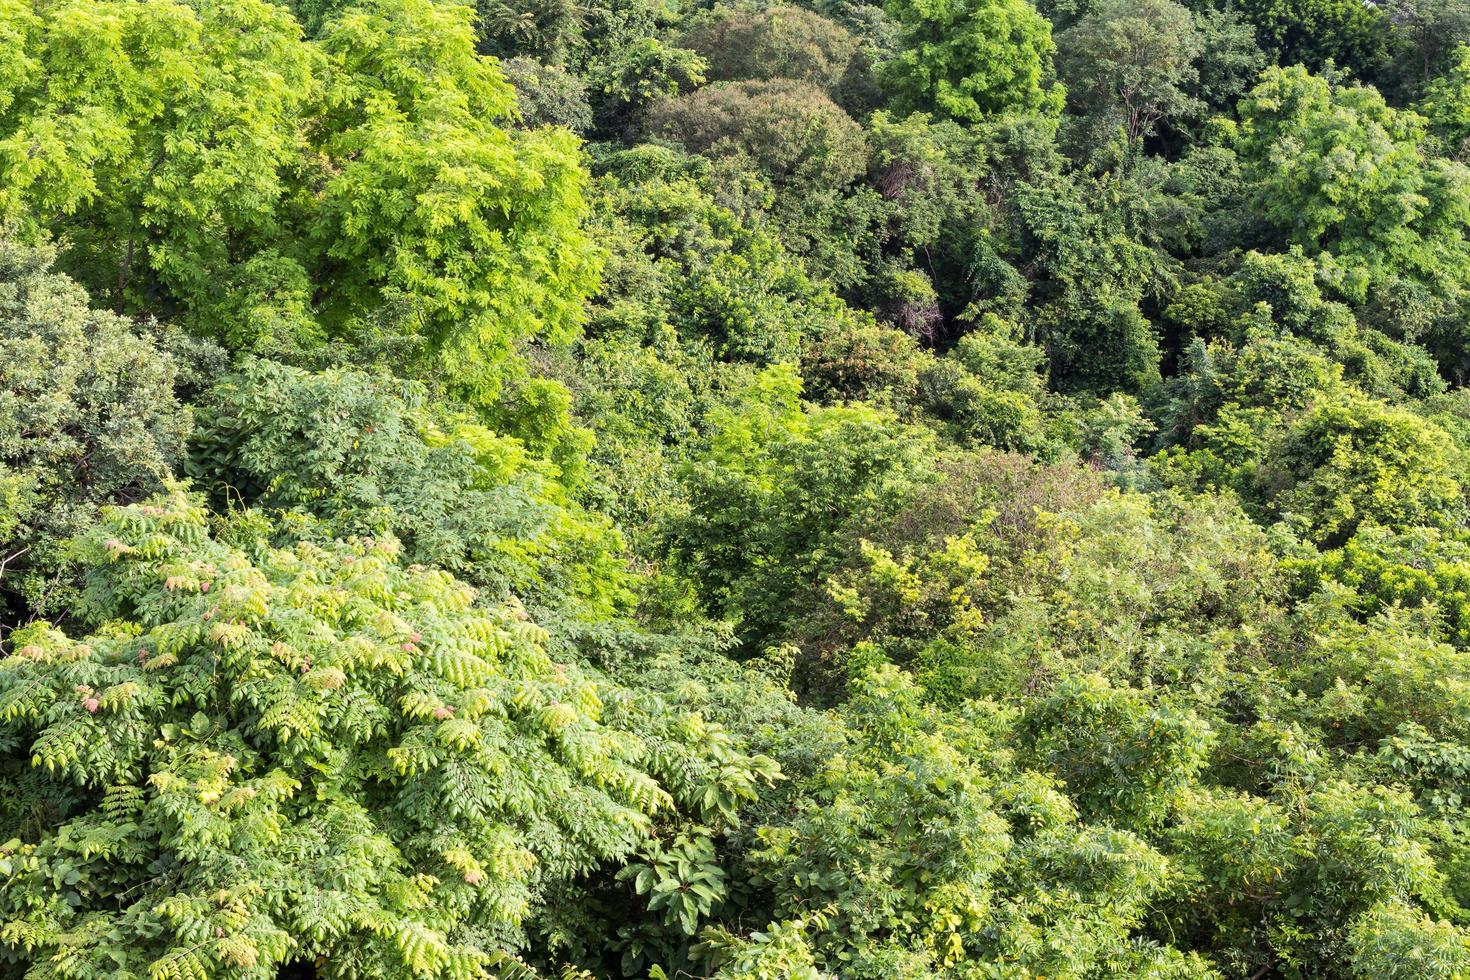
(859, 490)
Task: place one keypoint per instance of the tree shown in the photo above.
(970, 61)
(1288, 293)
(88, 416)
(989, 390)
(1335, 169)
(776, 484)
(311, 755)
(1232, 61)
(1082, 239)
(1121, 757)
(460, 232)
(630, 61)
(202, 156)
(1395, 940)
(778, 42)
(1133, 62)
(1433, 30)
(940, 229)
(1446, 104)
(547, 95)
(938, 854)
(1355, 36)
(339, 454)
(790, 131)
(159, 139)
(545, 30)
(1355, 462)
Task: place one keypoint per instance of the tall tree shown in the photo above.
(971, 60)
(1131, 63)
(1335, 169)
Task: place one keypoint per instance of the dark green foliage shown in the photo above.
(548, 96)
(989, 391)
(1351, 35)
(1122, 758)
(342, 454)
(787, 130)
(545, 30)
(775, 486)
(778, 42)
(88, 416)
(1444, 105)
(938, 258)
(1130, 64)
(1083, 239)
(1276, 422)
(1234, 59)
(784, 153)
(1285, 292)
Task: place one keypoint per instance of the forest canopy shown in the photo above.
(741, 490)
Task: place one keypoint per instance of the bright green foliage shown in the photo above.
(681, 258)
(160, 137)
(682, 881)
(1344, 464)
(694, 296)
(932, 854)
(88, 416)
(342, 454)
(639, 72)
(631, 57)
(1333, 168)
(310, 753)
(969, 61)
(779, 952)
(1120, 587)
(989, 390)
(927, 575)
(1226, 405)
(1394, 940)
(886, 848)
(1412, 569)
(776, 485)
(1275, 421)
(466, 235)
(1370, 683)
(276, 188)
